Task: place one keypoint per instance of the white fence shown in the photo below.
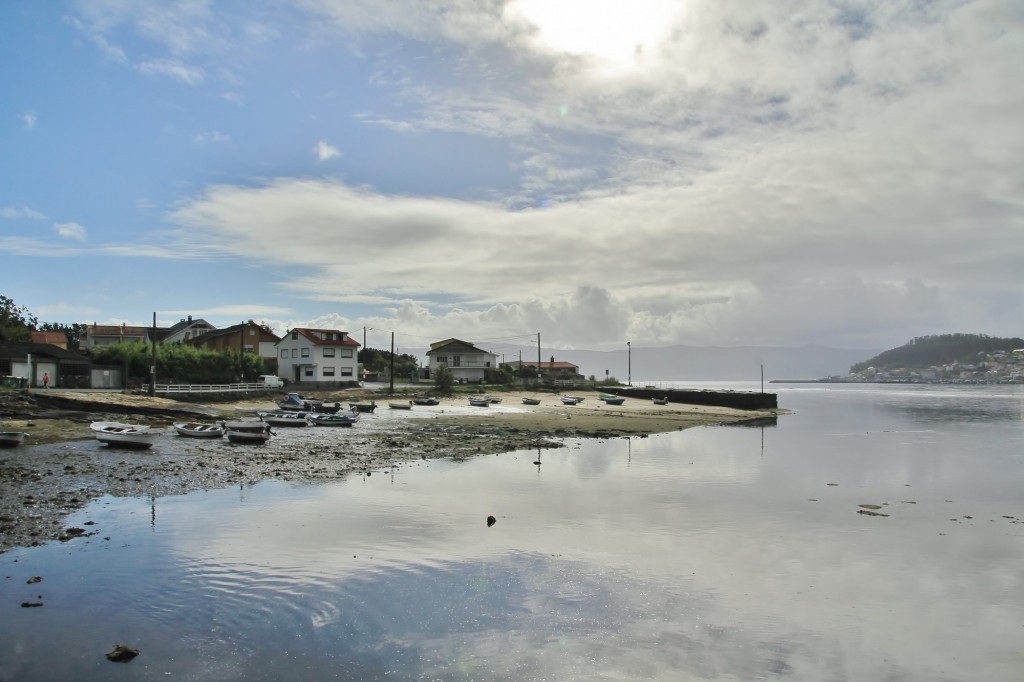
(206, 388)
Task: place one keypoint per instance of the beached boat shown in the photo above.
(363, 407)
(337, 419)
(613, 399)
(199, 429)
(480, 401)
(247, 431)
(493, 399)
(531, 401)
(285, 418)
(123, 435)
(298, 403)
(570, 400)
(660, 401)
(11, 439)
(426, 401)
(401, 406)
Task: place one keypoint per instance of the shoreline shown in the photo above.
(61, 468)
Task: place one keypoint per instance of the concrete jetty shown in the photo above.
(740, 400)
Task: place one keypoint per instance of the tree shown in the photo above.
(16, 322)
(444, 379)
(73, 331)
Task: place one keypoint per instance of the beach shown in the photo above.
(62, 468)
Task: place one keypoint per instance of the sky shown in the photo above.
(694, 172)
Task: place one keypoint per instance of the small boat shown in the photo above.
(401, 406)
(285, 418)
(480, 401)
(426, 401)
(570, 400)
(11, 439)
(199, 430)
(531, 401)
(297, 403)
(660, 401)
(247, 431)
(493, 399)
(613, 400)
(123, 435)
(324, 408)
(336, 419)
(363, 407)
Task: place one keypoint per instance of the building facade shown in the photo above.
(466, 362)
(320, 356)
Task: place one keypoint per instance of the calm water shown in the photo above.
(719, 553)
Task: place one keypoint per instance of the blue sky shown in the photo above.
(699, 172)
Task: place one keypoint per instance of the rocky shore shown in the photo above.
(61, 467)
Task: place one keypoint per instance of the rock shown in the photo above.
(34, 579)
(491, 521)
(122, 654)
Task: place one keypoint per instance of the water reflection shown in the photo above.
(713, 553)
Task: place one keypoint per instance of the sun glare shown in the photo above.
(614, 33)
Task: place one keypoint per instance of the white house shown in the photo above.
(466, 362)
(186, 330)
(317, 356)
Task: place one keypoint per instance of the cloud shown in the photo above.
(172, 68)
(23, 213)
(70, 231)
(28, 119)
(212, 137)
(325, 151)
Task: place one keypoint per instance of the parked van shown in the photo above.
(271, 381)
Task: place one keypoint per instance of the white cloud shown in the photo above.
(325, 151)
(28, 119)
(70, 231)
(172, 68)
(23, 213)
(212, 137)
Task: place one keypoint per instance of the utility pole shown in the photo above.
(152, 366)
(629, 364)
(392, 372)
(538, 358)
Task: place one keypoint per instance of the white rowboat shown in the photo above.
(123, 435)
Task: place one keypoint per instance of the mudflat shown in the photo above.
(61, 467)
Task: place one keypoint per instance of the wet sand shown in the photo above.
(61, 467)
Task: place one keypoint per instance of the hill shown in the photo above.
(943, 349)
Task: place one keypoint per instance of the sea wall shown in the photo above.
(740, 400)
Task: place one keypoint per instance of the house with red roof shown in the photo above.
(318, 356)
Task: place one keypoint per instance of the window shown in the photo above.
(442, 359)
(308, 371)
(456, 361)
(305, 352)
(252, 332)
(328, 371)
(249, 348)
(295, 336)
(346, 371)
(295, 352)
(328, 352)
(284, 352)
(346, 352)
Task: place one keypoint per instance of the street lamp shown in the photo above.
(629, 364)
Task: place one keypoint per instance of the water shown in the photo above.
(723, 553)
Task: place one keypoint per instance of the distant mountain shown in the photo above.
(701, 363)
(943, 349)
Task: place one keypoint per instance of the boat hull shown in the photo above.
(199, 430)
(123, 435)
(11, 439)
(333, 419)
